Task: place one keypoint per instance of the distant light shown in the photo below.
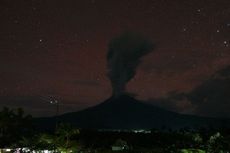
(141, 131)
(54, 102)
(46, 151)
(226, 43)
(25, 149)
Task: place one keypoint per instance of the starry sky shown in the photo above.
(54, 48)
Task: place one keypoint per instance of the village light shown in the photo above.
(8, 150)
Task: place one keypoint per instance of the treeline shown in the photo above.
(208, 140)
(14, 124)
(17, 131)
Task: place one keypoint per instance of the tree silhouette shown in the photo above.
(14, 125)
(64, 134)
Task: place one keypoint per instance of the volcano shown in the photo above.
(125, 112)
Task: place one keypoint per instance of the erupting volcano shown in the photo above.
(124, 55)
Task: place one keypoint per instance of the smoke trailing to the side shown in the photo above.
(124, 55)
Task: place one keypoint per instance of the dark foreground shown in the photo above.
(67, 139)
(184, 141)
(17, 132)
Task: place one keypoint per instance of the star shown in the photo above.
(194, 65)
(184, 29)
(16, 21)
(226, 43)
(220, 54)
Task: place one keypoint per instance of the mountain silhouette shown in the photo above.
(212, 97)
(125, 112)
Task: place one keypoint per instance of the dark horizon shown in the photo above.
(58, 49)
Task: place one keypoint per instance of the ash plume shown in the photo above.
(123, 57)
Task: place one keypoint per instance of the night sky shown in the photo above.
(58, 48)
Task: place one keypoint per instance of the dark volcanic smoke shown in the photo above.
(123, 57)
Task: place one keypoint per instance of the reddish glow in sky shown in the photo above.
(59, 48)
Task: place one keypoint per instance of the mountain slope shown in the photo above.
(212, 97)
(125, 112)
